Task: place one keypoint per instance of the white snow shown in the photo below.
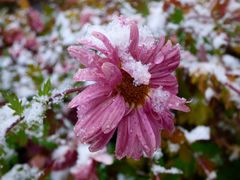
(6, 119)
(159, 98)
(60, 175)
(157, 154)
(173, 148)
(58, 154)
(231, 61)
(138, 71)
(233, 5)
(20, 172)
(85, 157)
(188, 2)
(196, 134)
(209, 93)
(156, 20)
(212, 175)
(84, 154)
(157, 169)
(203, 68)
(65, 32)
(118, 34)
(219, 40)
(34, 113)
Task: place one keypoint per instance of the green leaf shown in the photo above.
(177, 16)
(229, 171)
(46, 88)
(141, 6)
(208, 149)
(35, 72)
(44, 143)
(14, 103)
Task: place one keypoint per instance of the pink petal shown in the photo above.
(127, 142)
(156, 50)
(168, 82)
(114, 114)
(103, 158)
(167, 47)
(146, 134)
(112, 52)
(104, 39)
(134, 148)
(177, 103)
(144, 54)
(134, 38)
(159, 58)
(101, 142)
(83, 172)
(90, 45)
(112, 73)
(101, 120)
(88, 74)
(154, 121)
(163, 119)
(170, 62)
(122, 139)
(83, 55)
(90, 93)
(167, 121)
(92, 122)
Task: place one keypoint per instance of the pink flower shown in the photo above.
(85, 167)
(35, 21)
(12, 35)
(134, 88)
(81, 163)
(31, 44)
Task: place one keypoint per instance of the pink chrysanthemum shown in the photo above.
(134, 88)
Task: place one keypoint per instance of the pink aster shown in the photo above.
(134, 88)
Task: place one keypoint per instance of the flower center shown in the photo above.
(132, 94)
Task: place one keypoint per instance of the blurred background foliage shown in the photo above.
(209, 76)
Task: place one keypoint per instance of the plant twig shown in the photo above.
(66, 92)
(233, 88)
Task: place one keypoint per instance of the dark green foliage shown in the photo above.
(177, 16)
(45, 89)
(14, 103)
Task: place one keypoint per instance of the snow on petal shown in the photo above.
(159, 99)
(138, 71)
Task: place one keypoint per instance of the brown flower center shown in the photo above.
(132, 94)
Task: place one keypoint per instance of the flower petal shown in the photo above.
(90, 93)
(177, 103)
(167, 120)
(114, 114)
(104, 39)
(83, 55)
(92, 122)
(112, 73)
(88, 74)
(122, 139)
(145, 133)
(168, 82)
(134, 38)
(101, 141)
